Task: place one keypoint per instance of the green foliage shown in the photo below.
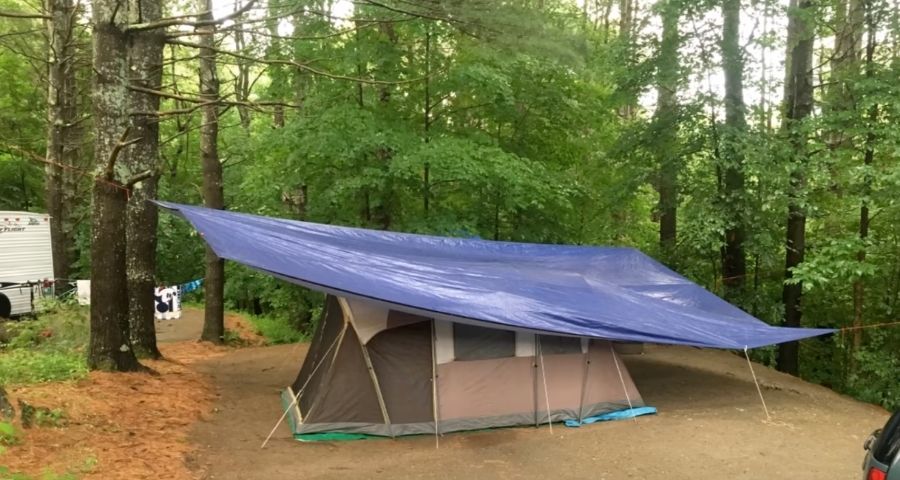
(277, 330)
(22, 366)
(8, 434)
(7, 474)
(48, 348)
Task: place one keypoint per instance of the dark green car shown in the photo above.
(883, 457)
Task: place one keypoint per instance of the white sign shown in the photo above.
(167, 303)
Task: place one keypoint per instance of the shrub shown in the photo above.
(34, 366)
(276, 330)
(50, 347)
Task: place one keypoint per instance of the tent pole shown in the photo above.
(434, 388)
(758, 389)
(546, 392)
(330, 372)
(381, 404)
(348, 314)
(300, 391)
(612, 351)
(534, 380)
(586, 368)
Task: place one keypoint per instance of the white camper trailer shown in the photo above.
(26, 261)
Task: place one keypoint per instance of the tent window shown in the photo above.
(479, 343)
(553, 345)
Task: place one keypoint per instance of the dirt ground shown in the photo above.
(207, 412)
(711, 425)
(128, 425)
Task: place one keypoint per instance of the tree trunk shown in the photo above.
(62, 143)
(109, 347)
(626, 19)
(213, 195)
(242, 80)
(797, 107)
(666, 119)
(868, 157)
(734, 265)
(145, 68)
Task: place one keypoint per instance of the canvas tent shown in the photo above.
(428, 334)
(374, 370)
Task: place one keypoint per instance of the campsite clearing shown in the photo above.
(207, 413)
(711, 426)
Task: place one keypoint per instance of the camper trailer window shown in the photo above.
(480, 343)
(553, 345)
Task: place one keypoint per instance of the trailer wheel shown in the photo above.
(5, 307)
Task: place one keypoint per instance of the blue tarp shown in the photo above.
(599, 292)
(616, 415)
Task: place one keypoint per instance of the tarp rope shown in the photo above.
(612, 351)
(758, 389)
(300, 391)
(546, 392)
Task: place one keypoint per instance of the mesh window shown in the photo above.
(553, 345)
(480, 343)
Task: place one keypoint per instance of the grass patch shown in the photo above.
(19, 367)
(276, 330)
(48, 348)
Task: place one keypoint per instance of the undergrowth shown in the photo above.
(276, 329)
(50, 347)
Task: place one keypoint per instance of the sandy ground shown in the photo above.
(210, 408)
(711, 425)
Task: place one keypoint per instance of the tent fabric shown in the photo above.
(598, 292)
(393, 385)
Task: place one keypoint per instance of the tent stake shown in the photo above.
(622, 379)
(758, 389)
(546, 392)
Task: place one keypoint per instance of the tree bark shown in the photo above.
(110, 346)
(213, 194)
(145, 67)
(734, 264)
(62, 138)
(798, 105)
(666, 119)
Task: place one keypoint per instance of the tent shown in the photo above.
(425, 334)
(379, 371)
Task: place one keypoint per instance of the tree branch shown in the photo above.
(181, 20)
(114, 155)
(140, 177)
(301, 66)
(38, 16)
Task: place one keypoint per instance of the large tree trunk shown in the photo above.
(213, 195)
(145, 68)
(666, 120)
(798, 105)
(62, 141)
(734, 265)
(110, 346)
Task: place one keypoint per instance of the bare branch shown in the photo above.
(140, 178)
(301, 66)
(114, 155)
(38, 16)
(182, 20)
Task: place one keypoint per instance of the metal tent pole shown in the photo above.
(612, 351)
